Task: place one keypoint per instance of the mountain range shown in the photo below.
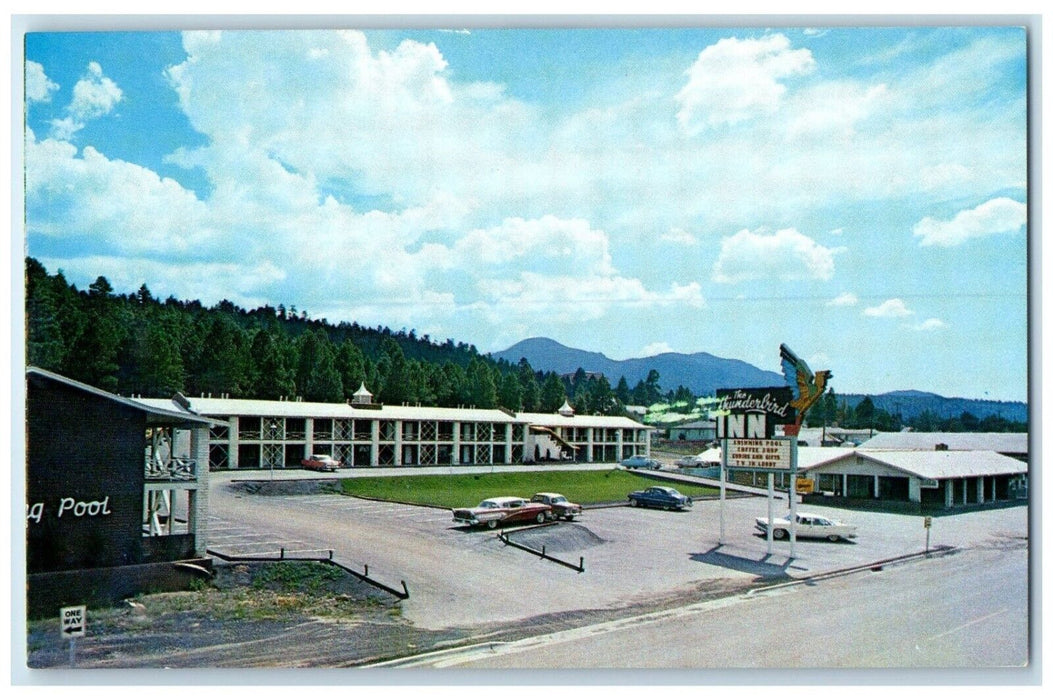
(700, 372)
(703, 374)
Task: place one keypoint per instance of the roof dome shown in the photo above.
(362, 395)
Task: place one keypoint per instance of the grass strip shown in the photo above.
(462, 490)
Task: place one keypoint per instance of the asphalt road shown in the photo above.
(461, 578)
(898, 617)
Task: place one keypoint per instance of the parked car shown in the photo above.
(809, 525)
(504, 510)
(323, 463)
(660, 497)
(694, 461)
(641, 462)
(561, 507)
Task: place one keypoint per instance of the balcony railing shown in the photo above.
(178, 469)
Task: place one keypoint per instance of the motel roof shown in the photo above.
(1006, 443)
(925, 464)
(226, 407)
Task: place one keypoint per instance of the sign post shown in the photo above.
(723, 491)
(793, 495)
(771, 512)
(928, 529)
(72, 623)
(746, 420)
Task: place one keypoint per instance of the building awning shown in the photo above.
(552, 434)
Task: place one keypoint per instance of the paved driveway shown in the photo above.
(459, 577)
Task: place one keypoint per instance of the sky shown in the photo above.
(858, 193)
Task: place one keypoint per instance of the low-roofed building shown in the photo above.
(258, 434)
(946, 478)
(1008, 444)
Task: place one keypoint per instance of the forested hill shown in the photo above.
(923, 408)
(135, 344)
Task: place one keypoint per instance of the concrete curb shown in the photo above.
(940, 551)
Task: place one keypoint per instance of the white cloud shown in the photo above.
(376, 122)
(940, 175)
(893, 308)
(548, 244)
(833, 108)
(679, 236)
(575, 299)
(38, 86)
(931, 324)
(94, 95)
(120, 207)
(994, 217)
(657, 348)
(785, 255)
(844, 299)
(737, 79)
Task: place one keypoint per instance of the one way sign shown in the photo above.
(73, 621)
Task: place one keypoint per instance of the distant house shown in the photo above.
(818, 437)
(833, 436)
(117, 494)
(694, 431)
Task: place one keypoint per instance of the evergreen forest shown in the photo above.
(136, 344)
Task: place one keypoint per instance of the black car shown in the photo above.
(660, 497)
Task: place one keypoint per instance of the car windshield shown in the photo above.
(672, 492)
(559, 499)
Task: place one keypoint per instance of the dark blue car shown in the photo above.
(660, 497)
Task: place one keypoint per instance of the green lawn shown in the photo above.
(461, 490)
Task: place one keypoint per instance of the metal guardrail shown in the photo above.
(579, 567)
(364, 576)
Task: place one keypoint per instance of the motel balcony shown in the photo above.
(178, 469)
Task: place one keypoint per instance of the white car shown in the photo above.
(809, 525)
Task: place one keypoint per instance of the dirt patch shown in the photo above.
(563, 537)
(294, 615)
(281, 614)
(289, 487)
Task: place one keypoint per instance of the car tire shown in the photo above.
(541, 518)
(570, 518)
(833, 538)
(779, 534)
(492, 524)
(633, 502)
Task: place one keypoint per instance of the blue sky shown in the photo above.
(859, 194)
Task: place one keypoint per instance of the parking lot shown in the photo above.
(460, 577)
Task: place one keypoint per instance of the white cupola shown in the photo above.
(362, 396)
